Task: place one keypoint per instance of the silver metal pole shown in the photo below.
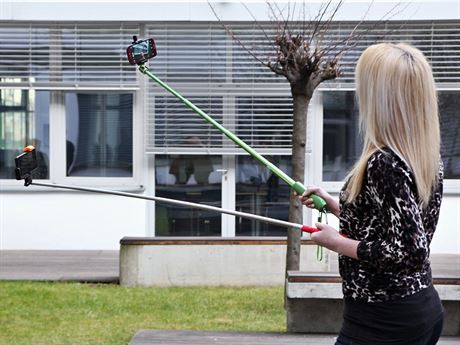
(176, 202)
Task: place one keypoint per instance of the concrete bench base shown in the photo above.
(206, 261)
(317, 307)
(314, 315)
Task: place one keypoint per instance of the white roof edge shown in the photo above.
(151, 10)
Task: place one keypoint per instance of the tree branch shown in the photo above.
(236, 39)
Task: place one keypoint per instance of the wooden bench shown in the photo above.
(314, 300)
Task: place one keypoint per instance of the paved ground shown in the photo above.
(159, 337)
(103, 265)
(61, 265)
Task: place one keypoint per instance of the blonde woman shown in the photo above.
(389, 206)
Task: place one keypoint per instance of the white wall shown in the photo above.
(66, 220)
(447, 236)
(57, 220)
(199, 10)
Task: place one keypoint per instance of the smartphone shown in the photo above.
(25, 163)
(140, 51)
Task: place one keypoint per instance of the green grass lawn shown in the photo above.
(70, 313)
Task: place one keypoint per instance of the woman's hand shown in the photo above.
(328, 236)
(331, 239)
(331, 204)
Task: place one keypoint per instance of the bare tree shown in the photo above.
(303, 52)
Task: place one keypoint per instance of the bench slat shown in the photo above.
(334, 278)
(171, 241)
(327, 290)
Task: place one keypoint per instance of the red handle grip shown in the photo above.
(309, 229)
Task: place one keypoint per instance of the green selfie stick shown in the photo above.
(298, 187)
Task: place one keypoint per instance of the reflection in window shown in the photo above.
(192, 178)
(24, 120)
(449, 109)
(342, 143)
(259, 191)
(99, 135)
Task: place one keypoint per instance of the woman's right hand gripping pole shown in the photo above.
(332, 203)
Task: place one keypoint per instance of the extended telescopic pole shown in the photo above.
(268, 220)
(319, 203)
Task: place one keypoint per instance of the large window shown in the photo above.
(99, 135)
(192, 178)
(81, 134)
(24, 120)
(342, 143)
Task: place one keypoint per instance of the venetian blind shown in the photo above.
(207, 66)
(202, 62)
(66, 55)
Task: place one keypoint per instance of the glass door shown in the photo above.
(192, 178)
(259, 191)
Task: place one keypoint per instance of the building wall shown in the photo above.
(62, 220)
(38, 218)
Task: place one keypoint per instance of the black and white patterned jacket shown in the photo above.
(395, 233)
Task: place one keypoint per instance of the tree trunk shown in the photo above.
(301, 99)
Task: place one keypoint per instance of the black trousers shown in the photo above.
(429, 338)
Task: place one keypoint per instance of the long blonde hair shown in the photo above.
(398, 109)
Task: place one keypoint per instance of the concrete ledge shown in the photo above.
(210, 261)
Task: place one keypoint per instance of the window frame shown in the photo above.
(59, 154)
(451, 186)
(57, 142)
